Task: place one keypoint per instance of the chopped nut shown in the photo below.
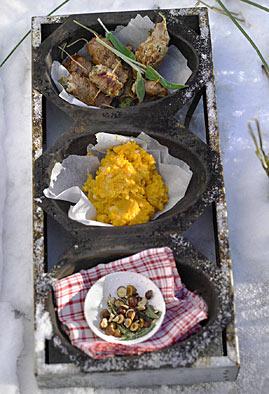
(130, 290)
(111, 317)
(104, 323)
(121, 311)
(149, 294)
(134, 327)
(117, 333)
(130, 314)
(110, 330)
(119, 319)
(147, 323)
(121, 292)
(142, 304)
(132, 301)
(127, 322)
(141, 323)
(118, 303)
(105, 313)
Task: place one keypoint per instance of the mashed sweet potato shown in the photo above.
(127, 188)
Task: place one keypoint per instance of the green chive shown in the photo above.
(140, 87)
(134, 335)
(116, 42)
(153, 75)
(140, 68)
(127, 60)
(150, 313)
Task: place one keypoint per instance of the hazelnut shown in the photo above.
(103, 323)
(149, 294)
(127, 322)
(130, 314)
(121, 311)
(147, 323)
(104, 314)
(130, 290)
(119, 319)
(134, 327)
(121, 292)
(132, 301)
(141, 322)
(117, 333)
(111, 329)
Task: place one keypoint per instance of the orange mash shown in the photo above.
(127, 188)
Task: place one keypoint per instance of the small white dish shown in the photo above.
(97, 296)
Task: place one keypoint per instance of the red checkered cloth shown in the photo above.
(184, 309)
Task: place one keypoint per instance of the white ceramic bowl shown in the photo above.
(98, 294)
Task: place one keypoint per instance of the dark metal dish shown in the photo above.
(183, 37)
(202, 190)
(197, 273)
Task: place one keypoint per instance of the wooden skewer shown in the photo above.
(71, 57)
(99, 91)
(115, 68)
(158, 81)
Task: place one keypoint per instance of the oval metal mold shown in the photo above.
(202, 191)
(183, 37)
(197, 273)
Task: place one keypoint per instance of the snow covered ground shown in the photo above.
(242, 94)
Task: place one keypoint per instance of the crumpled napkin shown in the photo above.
(184, 309)
(68, 177)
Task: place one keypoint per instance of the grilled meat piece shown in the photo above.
(80, 66)
(84, 90)
(101, 55)
(154, 88)
(121, 72)
(106, 80)
(102, 100)
(127, 91)
(152, 51)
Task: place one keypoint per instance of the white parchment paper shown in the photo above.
(68, 177)
(174, 66)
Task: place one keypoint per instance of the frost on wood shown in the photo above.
(43, 327)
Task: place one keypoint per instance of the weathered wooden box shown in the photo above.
(209, 236)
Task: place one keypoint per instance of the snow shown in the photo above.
(11, 345)
(242, 94)
(44, 328)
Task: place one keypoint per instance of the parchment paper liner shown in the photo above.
(173, 67)
(68, 177)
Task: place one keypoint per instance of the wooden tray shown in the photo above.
(209, 235)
